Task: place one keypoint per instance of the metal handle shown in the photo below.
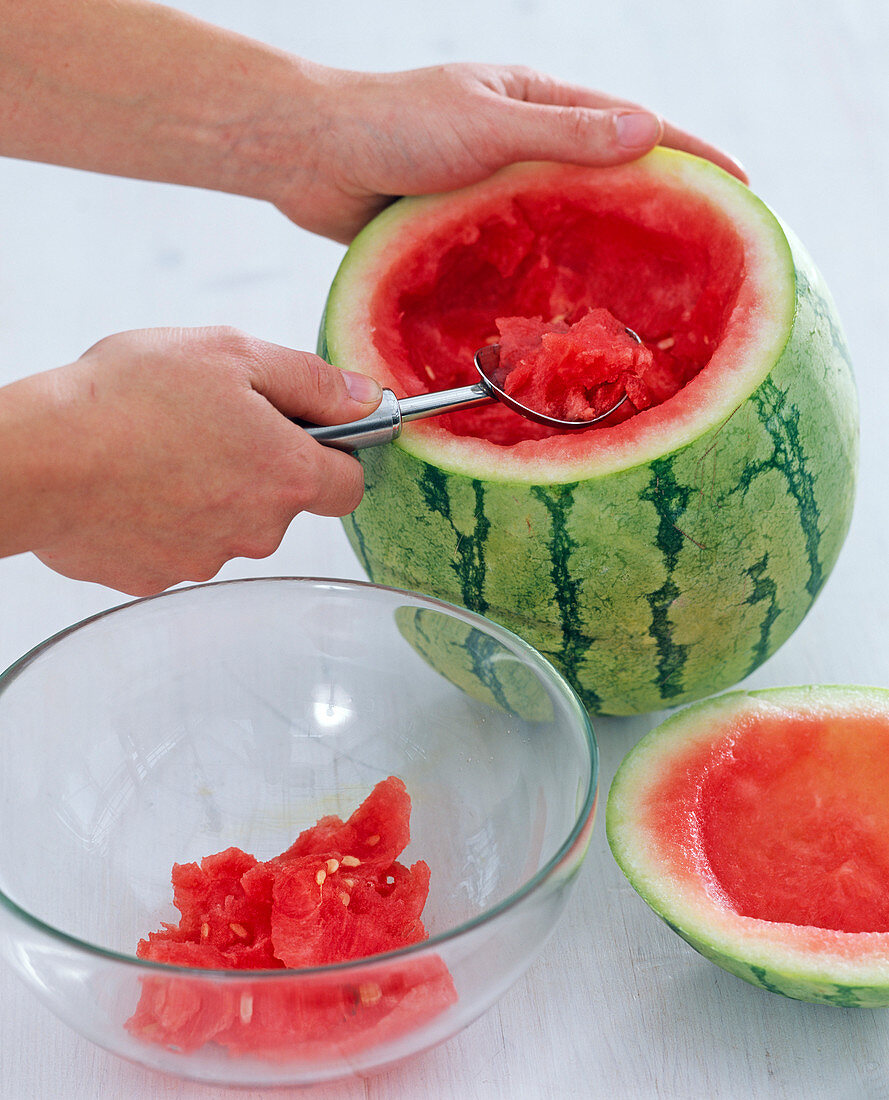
(384, 423)
(382, 426)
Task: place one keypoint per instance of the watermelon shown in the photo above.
(661, 556)
(757, 826)
(338, 893)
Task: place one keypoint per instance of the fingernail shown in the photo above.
(362, 388)
(637, 130)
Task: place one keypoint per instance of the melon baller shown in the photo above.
(385, 422)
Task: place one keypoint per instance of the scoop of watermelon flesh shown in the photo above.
(578, 371)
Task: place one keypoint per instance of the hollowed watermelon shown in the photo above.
(757, 826)
(662, 556)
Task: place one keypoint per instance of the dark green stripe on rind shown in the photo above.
(575, 640)
(670, 500)
(764, 591)
(475, 662)
(782, 421)
(469, 561)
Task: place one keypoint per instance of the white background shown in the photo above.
(616, 1006)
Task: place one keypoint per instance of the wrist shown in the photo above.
(269, 143)
(40, 461)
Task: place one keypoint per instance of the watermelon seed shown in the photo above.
(320, 877)
(205, 930)
(344, 897)
(239, 930)
(350, 882)
(332, 866)
(666, 343)
(246, 1008)
(351, 861)
(369, 992)
(372, 840)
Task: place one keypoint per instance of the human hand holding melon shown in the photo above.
(139, 89)
(161, 454)
(378, 136)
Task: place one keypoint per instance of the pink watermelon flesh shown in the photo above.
(551, 258)
(792, 820)
(336, 894)
(579, 371)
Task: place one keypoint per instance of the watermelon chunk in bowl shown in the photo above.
(336, 894)
(240, 727)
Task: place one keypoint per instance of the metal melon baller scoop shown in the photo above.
(385, 422)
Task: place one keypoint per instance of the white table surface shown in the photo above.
(616, 1006)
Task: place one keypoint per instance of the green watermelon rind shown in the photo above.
(471, 660)
(646, 583)
(832, 968)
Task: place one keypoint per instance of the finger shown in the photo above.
(533, 87)
(580, 135)
(675, 138)
(303, 385)
(328, 482)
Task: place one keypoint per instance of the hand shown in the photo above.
(375, 137)
(140, 89)
(161, 454)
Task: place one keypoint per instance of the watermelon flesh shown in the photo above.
(338, 893)
(566, 270)
(580, 371)
(795, 826)
(756, 825)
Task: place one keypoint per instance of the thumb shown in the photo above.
(303, 385)
(580, 135)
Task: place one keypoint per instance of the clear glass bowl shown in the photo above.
(239, 713)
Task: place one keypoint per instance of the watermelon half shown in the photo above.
(757, 826)
(661, 556)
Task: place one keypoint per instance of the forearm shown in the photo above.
(137, 89)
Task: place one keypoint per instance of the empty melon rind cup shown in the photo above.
(756, 825)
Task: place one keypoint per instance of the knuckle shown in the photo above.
(531, 76)
(147, 586)
(576, 124)
(116, 342)
(353, 491)
(261, 544)
(321, 384)
(213, 343)
(206, 571)
(231, 341)
(225, 333)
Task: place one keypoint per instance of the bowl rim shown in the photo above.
(579, 832)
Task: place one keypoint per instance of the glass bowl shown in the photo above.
(237, 714)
